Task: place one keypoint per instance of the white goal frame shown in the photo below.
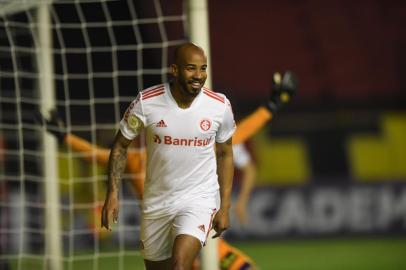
(197, 11)
(200, 34)
(53, 239)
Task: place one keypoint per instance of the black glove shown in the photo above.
(53, 125)
(283, 89)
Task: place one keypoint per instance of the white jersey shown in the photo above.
(180, 142)
(241, 156)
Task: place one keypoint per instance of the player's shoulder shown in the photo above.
(152, 92)
(215, 97)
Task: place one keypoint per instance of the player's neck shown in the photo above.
(182, 99)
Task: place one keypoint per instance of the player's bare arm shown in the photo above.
(248, 179)
(225, 170)
(117, 163)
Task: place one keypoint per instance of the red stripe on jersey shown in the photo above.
(147, 91)
(213, 93)
(153, 91)
(207, 89)
(214, 96)
(153, 95)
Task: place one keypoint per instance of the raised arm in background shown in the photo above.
(282, 90)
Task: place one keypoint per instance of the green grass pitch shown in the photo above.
(328, 254)
(323, 254)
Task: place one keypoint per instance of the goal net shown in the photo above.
(100, 54)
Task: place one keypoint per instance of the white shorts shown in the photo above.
(192, 218)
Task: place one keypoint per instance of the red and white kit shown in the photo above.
(180, 142)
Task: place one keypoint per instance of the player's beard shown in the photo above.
(191, 90)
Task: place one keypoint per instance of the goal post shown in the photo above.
(199, 31)
(53, 237)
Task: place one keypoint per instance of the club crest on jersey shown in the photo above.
(205, 124)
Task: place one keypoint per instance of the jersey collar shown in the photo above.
(172, 102)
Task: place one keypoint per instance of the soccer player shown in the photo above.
(190, 169)
(136, 157)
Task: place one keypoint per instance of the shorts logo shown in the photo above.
(161, 124)
(202, 228)
(205, 124)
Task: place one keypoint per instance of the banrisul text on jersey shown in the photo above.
(169, 140)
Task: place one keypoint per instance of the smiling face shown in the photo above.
(189, 70)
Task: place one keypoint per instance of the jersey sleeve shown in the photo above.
(133, 120)
(241, 156)
(227, 127)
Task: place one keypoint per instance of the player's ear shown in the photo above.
(174, 70)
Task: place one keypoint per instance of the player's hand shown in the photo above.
(284, 87)
(221, 222)
(109, 211)
(53, 124)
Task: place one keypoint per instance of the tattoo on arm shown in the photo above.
(117, 164)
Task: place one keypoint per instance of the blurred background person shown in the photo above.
(247, 171)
